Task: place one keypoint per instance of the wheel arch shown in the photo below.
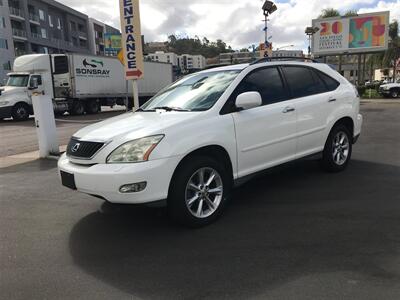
(346, 121)
(30, 107)
(214, 151)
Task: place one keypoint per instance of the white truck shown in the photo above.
(77, 83)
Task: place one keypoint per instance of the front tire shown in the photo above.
(20, 112)
(338, 149)
(199, 192)
(92, 107)
(394, 94)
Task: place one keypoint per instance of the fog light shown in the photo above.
(133, 187)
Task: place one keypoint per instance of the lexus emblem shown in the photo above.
(75, 147)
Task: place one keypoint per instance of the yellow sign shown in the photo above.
(131, 39)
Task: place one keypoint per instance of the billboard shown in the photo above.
(358, 34)
(131, 39)
(113, 44)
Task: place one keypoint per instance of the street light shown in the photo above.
(268, 8)
(310, 31)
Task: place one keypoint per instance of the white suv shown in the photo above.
(193, 141)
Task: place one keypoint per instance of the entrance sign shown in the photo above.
(358, 34)
(131, 39)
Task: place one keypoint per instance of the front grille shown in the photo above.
(83, 149)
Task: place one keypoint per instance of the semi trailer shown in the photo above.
(77, 83)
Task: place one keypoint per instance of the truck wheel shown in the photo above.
(199, 192)
(92, 107)
(20, 112)
(394, 94)
(77, 108)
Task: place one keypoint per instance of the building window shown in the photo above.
(41, 15)
(82, 43)
(44, 33)
(50, 21)
(74, 41)
(58, 23)
(1, 2)
(73, 26)
(3, 44)
(2, 22)
(7, 66)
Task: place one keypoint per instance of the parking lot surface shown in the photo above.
(293, 233)
(20, 137)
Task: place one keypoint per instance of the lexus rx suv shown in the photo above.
(192, 142)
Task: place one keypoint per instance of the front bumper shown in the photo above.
(104, 180)
(5, 112)
(357, 127)
(384, 92)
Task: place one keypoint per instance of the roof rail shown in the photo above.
(283, 58)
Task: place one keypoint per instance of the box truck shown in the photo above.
(77, 83)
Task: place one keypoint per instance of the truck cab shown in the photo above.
(31, 72)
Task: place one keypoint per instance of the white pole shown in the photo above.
(45, 125)
(135, 95)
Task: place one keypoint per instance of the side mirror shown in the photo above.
(248, 100)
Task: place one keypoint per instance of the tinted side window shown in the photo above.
(330, 83)
(38, 80)
(60, 65)
(301, 81)
(267, 82)
(320, 86)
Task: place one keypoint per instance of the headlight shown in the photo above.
(134, 151)
(386, 87)
(4, 103)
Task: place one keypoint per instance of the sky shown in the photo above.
(236, 22)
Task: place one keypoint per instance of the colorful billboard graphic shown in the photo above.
(360, 34)
(112, 44)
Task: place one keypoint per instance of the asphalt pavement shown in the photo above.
(293, 233)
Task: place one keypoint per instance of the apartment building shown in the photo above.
(97, 33)
(40, 26)
(185, 62)
(161, 56)
(6, 42)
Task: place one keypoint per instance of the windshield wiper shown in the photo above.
(167, 108)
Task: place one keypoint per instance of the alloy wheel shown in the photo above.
(340, 149)
(204, 192)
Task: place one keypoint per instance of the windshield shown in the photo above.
(197, 92)
(18, 80)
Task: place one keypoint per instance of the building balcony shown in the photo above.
(19, 33)
(20, 52)
(36, 35)
(16, 12)
(34, 18)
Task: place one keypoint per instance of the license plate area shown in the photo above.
(68, 180)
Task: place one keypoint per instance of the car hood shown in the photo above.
(130, 126)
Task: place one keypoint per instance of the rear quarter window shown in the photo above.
(330, 83)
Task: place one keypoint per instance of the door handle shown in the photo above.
(288, 109)
(332, 100)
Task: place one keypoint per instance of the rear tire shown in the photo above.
(20, 112)
(77, 108)
(199, 192)
(338, 149)
(92, 107)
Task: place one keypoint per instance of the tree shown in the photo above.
(350, 13)
(329, 13)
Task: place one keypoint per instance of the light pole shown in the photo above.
(310, 31)
(268, 8)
